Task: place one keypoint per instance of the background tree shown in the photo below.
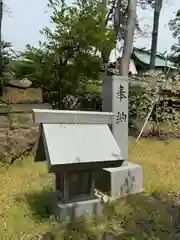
(118, 16)
(174, 26)
(5, 55)
(79, 47)
(1, 71)
(114, 19)
(128, 38)
(157, 11)
(6, 68)
(69, 57)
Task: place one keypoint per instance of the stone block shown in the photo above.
(120, 181)
(4, 122)
(21, 95)
(73, 210)
(21, 118)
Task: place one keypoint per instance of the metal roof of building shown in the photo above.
(144, 57)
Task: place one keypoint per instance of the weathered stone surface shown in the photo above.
(24, 83)
(73, 210)
(120, 181)
(18, 114)
(20, 95)
(4, 121)
(17, 141)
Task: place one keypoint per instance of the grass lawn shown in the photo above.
(24, 210)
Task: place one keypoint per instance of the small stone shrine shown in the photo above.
(127, 177)
(75, 144)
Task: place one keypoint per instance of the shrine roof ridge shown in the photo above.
(72, 117)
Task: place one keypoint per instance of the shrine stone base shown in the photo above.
(73, 210)
(120, 181)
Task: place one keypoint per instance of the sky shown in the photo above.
(24, 18)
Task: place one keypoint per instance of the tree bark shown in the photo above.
(1, 70)
(128, 38)
(157, 11)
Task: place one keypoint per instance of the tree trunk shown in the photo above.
(157, 10)
(1, 70)
(128, 38)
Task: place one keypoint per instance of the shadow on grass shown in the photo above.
(38, 203)
(136, 217)
(147, 217)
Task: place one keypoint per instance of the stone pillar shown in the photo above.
(127, 178)
(115, 99)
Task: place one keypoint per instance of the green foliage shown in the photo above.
(137, 105)
(5, 66)
(156, 95)
(174, 26)
(24, 68)
(164, 92)
(69, 57)
(75, 51)
(90, 98)
(35, 64)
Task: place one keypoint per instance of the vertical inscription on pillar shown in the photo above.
(120, 109)
(121, 94)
